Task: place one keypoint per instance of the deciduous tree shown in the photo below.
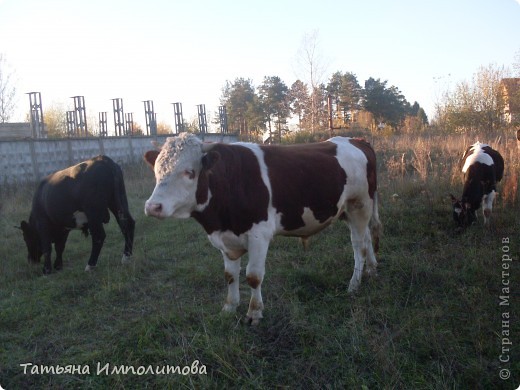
(55, 119)
(311, 64)
(475, 104)
(7, 91)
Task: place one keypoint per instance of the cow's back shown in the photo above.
(64, 192)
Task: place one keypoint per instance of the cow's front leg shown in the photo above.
(232, 275)
(255, 272)
(59, 246)
(98, 235)
(47, 267)
(47, 253)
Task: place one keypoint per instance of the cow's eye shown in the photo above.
(189, 173)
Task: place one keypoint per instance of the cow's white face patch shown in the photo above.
(176, 173)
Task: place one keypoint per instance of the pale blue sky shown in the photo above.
(170, 51)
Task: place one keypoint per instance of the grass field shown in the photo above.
(432, 319)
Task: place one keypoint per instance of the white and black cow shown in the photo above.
(243, 194)
(78, 197)
(482, 167)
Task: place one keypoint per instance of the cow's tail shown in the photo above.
(376, 227)
(125, 220)
(120, 193)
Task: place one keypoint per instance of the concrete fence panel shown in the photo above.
(29, 160)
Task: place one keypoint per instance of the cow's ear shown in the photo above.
(150, 157)
(210, 159)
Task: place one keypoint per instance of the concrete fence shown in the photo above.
(29, 160)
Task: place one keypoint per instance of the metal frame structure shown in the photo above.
(222, 115)
(179, 120)
(129, 123)
(71, 123)
(80, 117)
(36, 110)
(103, 124)
(150, 117)
(203, 122)
(119, 116)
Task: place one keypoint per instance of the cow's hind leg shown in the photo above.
(127, 225)
(232, 275)
(371, 268)
(97, 232)
(358, 217)
(487, 205)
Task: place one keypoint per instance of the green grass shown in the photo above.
(430, 320)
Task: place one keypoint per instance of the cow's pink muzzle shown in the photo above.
(154, 210)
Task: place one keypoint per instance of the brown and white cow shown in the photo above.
(482, 167)
(243, 194)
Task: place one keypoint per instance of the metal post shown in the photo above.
(203, 123)
(71, 123)
(36, 110)
(151, 118)
(80, 116)
(179, 121)
(129, 118)
(222, 114)
(103, 124)
(119, 117)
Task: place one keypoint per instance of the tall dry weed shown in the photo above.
(432, 161)
(422, 163)
(511, 155)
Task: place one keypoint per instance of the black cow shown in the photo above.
(78, 197)
(482, 167)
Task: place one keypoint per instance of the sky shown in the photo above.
(184, 51)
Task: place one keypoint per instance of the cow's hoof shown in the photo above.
(58, 267)
(46, 271)
(252, 321)
(370, 272)
(229, 308)
(126, 259)
(89, 268)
